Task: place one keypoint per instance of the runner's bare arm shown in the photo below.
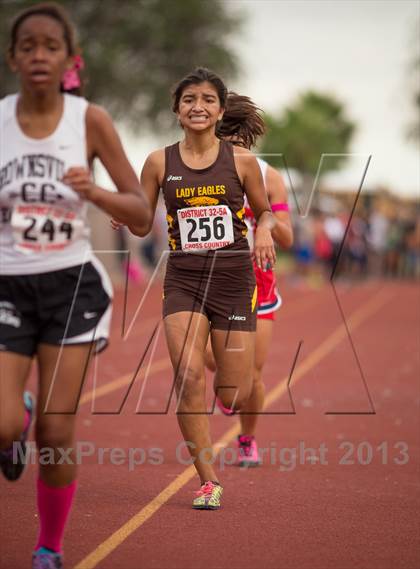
(277, 194)
(151, 179)
(250, 176)
(129, 205)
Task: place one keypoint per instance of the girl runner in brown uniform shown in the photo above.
(210, 285)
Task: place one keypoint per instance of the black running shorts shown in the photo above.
(50, 308)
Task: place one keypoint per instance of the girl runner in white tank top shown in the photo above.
(55, 298)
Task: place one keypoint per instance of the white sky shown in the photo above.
(358, 50)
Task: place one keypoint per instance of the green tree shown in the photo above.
(135, 50)
(313, 125)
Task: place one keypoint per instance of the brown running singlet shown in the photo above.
(209, 268)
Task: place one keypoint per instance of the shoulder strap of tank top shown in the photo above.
(7, 108)
(171, 161)
(226, 154)
(75, 113)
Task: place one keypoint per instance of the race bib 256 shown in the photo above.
(202, 228)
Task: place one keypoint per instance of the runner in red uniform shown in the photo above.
(242, 124)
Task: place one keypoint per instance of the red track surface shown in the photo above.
(313, 515)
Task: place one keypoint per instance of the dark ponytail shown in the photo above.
(242, 120)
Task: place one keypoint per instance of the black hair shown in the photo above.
(242, 119)
(199, 75)
(57, 13)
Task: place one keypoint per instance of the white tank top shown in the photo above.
(42, 221)
(263, 167)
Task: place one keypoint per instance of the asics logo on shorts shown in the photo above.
(234, 317)
(173, 178)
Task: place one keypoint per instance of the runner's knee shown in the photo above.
(233, 399)
(189, 383)
(54, 434)
(209, 361)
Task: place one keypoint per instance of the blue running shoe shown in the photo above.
(45, 559)
(13, 460)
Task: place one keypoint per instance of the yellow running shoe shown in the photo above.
(208, 497)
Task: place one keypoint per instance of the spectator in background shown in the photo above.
(323, 247)
(377, 239)
(303, 249)
(335, 229)
(394, 244)
(356, 246)
(411, 265)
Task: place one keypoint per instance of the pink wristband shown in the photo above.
(280, 207)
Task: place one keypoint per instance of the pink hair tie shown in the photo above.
(280, 207)
(71, 79)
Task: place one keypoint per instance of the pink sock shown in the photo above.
(54, 507)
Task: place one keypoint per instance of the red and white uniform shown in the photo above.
(269, 299)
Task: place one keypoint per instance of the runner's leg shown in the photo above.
(234, 355)
(186, 335)
(14, 370)
(61, 375)
(254, 406)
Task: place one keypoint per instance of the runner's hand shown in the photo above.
(264, 252)
(80, 180)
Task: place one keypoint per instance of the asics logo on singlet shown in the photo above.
(171, 178)
(234, 317)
